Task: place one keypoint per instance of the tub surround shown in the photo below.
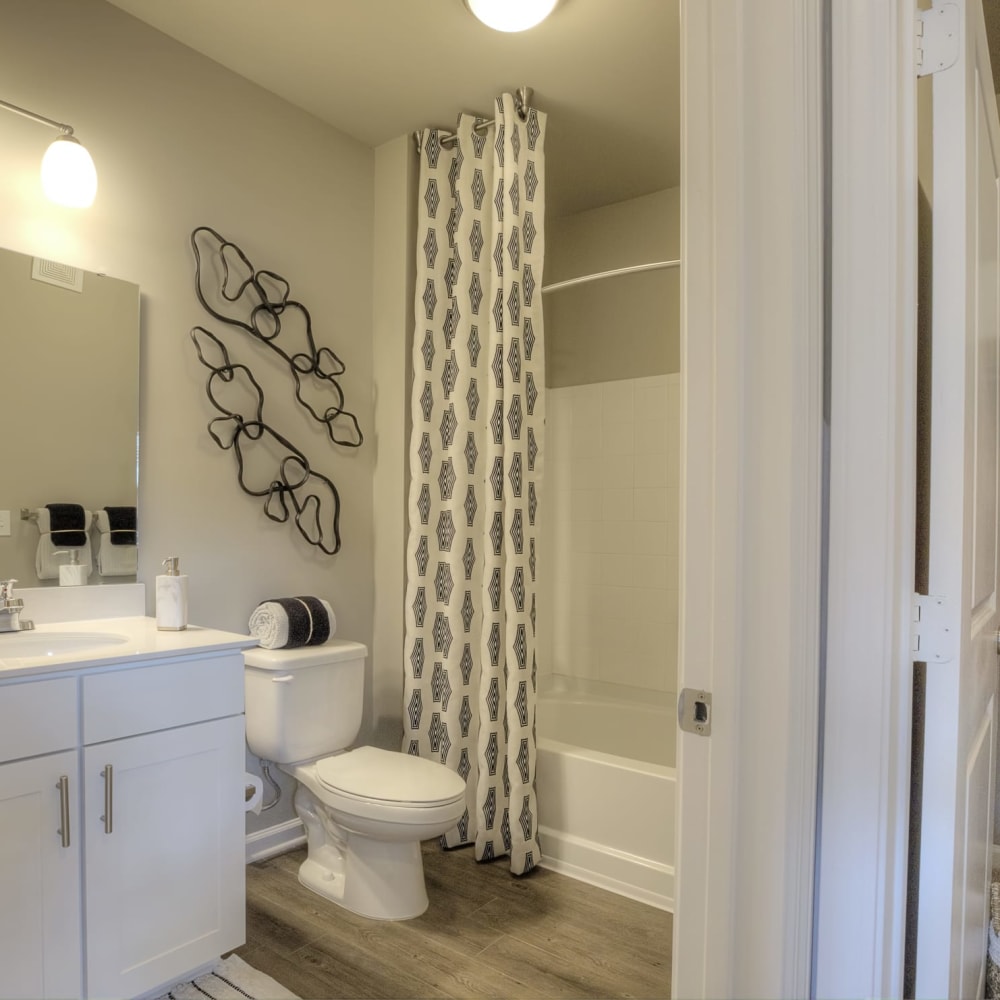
(610, 719)
(606, 818)
(609, 560)
(608, 821)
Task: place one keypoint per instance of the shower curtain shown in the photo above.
(475, 465)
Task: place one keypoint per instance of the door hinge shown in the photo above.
(932, 637)
(694, 711)
(938, 37)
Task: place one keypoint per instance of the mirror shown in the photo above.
(69, 387)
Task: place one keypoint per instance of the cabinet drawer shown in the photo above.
(123, 703)
(38, 717)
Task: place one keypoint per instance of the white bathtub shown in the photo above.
(605, 815)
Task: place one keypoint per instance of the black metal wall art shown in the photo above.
(258, 303)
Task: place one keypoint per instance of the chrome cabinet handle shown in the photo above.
(63, 787)
(109, 797)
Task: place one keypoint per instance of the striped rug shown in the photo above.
(231, 979)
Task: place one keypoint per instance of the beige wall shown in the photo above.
(181, 142)
(617, 328)
(394, 239)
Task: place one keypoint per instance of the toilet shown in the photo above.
(365, 809)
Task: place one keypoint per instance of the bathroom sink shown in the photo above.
(22, 644)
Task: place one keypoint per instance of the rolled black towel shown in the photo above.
(67, 524)
(288, 622)
(121, 522)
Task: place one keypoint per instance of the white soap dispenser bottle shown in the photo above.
(172, 597)
(73, 573)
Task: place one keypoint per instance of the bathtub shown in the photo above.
(605, 812)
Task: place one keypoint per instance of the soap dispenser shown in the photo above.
(73, 573)
(172, 597)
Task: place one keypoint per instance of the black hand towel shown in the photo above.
(67, 524)
(121, 522)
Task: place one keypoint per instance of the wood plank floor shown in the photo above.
(485, 934)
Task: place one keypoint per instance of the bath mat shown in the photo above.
(231, 979)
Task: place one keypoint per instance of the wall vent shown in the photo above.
(54, 273)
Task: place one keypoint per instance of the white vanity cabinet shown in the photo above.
(40, 886)
(149, 883)
(40, 931)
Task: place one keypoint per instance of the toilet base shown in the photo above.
(383, 881)
(380, 879)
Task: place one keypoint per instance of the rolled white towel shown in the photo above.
(288, 622)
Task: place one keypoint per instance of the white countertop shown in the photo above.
(137, 641)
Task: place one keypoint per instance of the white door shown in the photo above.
(40, 932)
(163, 861)
(752, 387)
(956, 820)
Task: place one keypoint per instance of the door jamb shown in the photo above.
(862, 860)
(752, 389)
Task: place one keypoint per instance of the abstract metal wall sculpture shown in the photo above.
(257, 303)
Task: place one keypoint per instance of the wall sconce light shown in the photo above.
(511, 15)
(68, 174)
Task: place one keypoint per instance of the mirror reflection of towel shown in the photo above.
(116, 556)
(47, 562)
(68, 524)
(121, 525)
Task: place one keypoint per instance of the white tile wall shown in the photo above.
(608, 533)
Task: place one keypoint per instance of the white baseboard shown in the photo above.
(626, 874)
(275, 840)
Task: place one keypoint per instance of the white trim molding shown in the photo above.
(274, 840)
(751, 507)
(865, 784)
(649, 881)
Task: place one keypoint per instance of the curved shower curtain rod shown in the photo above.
(656, 265)
(522, 98)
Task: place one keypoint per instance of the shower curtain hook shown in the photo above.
(523, 98)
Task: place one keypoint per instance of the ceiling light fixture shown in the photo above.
(511, 15)
(68, 173)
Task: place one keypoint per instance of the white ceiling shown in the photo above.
(605, 71)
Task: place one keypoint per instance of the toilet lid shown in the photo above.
(391, 777)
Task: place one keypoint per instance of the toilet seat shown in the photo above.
(385, 784)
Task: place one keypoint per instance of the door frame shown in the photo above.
(862, 853)
(752, 363)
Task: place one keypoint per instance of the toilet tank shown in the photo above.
(306, 702)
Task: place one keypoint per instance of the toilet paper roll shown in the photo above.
(254, 793)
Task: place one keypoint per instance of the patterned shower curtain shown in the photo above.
(475, 464)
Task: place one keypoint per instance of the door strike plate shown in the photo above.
(694, 711)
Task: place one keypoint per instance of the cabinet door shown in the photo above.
(40, 935)
(164, 857)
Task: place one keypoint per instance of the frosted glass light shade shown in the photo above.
(68, 174)
(511, 15)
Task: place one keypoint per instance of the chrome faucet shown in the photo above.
(10, 609)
